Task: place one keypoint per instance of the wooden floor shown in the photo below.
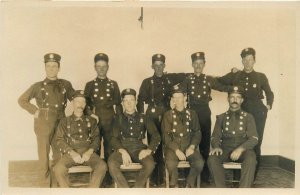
(23, 174)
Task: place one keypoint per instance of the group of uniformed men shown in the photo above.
(177, 123)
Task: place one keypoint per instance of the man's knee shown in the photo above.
(212, 160)
(148, 164)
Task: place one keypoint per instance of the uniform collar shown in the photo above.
(98, 79)
(200, 76)
(179, 112)
(156, 77)
(249, 73)
(236, 113)
(50, 81)
(130, 115)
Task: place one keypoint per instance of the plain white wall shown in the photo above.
(78, 33)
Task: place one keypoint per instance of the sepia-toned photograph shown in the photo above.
(155, 95)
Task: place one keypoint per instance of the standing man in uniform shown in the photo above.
(182, 135)
(103, 102)
(233, 139)
(254, 83)
(198, 87)
(77, 139)
(129, 130)
(51, 97)
(155, 91)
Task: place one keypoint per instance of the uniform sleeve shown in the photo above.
(167, 134)
(251, 133)
(267, 89)
(155, 137)
(142, 97)
(89, 105)
(24, 100)
(226, 79)
(117, 99)
(60, 137)
(177, 77)
(196, 131)
(95, 135)
(216, 85)
(217, 133)
(116, 135)
(70, 90)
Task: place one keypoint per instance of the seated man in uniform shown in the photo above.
(182, 135)
(129, 130)
(233, 139)
(77, 139)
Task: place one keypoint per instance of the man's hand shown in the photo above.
(76, 157)
(180, 155)
(216, 151)
(268, 107)
(36, 114)
(125, 157)
(144, 153)
(190, 150)
(235, 155)
(87, 155)
(235, 69)
(95, 117)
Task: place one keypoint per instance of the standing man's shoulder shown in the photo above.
(65, 82)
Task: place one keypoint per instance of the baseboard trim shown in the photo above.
(278, 161)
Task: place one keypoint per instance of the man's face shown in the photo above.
(248, 62)
(101, 68)
(235, 100)
(129, 103)
(52, 69)
(198, 65)
(178, 99)
(79, 104)
(158, 67)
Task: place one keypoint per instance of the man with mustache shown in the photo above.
(51, 97)
(233, 139)
(78, 139)
(255, 85)
(129, 130)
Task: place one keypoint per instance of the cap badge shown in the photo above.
(198, 54)
(158, 55)
(51, 56)
(81, 92)
(128, 90)
(235, 88)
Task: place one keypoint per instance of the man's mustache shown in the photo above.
(234, 103)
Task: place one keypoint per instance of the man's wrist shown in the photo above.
(192, 147)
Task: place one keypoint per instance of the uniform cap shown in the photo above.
(177, 89)
(78, 93)
(101, 56)
(236, 89)
(247, 51)
(52, 57)
(128, 91)
(158, 57)
(197, 56)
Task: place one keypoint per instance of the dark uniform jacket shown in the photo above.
(155, 91)
(48, 94)
(79, 134)
(199, 88)
(102, 95)
(181, 129)
(254, 83)
(130, 130)
(234, 129)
